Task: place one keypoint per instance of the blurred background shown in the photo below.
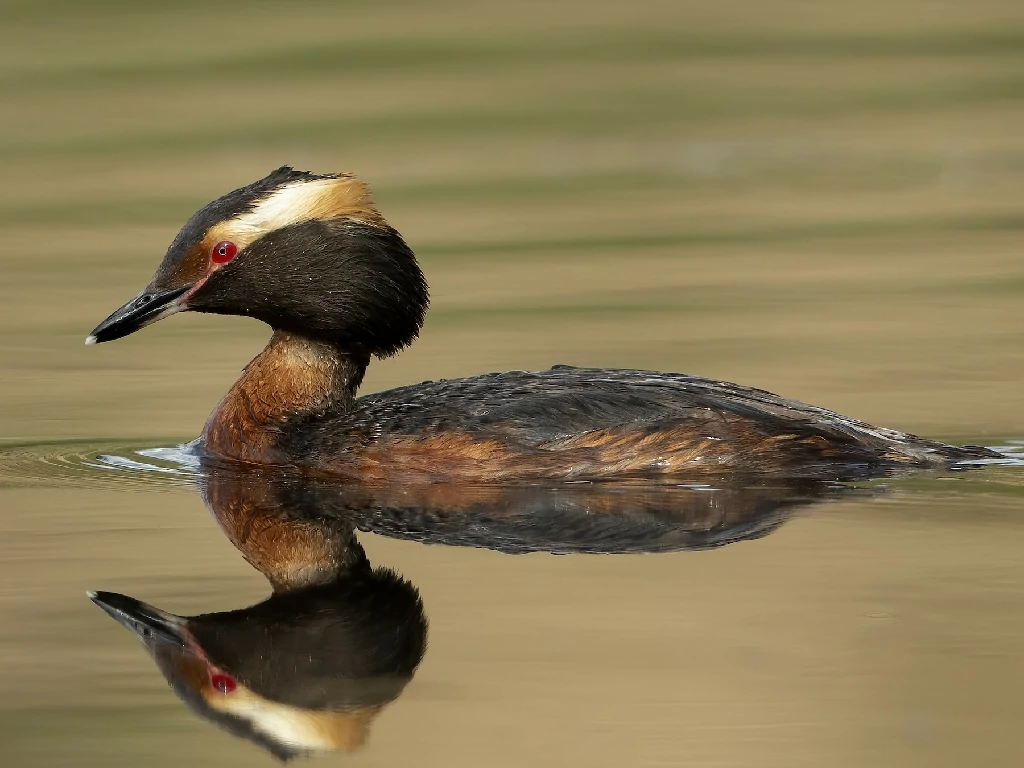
(821, 198)
(818, 198)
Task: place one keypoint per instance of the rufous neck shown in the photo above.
(294, 378)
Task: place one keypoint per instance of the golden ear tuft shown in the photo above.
(347, 197)
(336, 197)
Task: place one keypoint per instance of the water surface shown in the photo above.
(823, 202)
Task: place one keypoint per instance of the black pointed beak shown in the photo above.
(150, 624)
(145, 309)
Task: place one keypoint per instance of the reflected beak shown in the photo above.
(144, 309)
(148, 623)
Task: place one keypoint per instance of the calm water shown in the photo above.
(822, 200)
(774, 626)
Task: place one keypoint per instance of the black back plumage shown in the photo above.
(533, 409)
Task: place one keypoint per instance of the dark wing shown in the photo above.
(539, 409)
(531, 407)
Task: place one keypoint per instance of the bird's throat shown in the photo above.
(293, 379)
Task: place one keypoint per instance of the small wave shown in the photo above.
(1012, 456)
(116, 464)
(1013, 450)
(100, 464)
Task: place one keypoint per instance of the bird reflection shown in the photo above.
(308, 669)
(558, 518)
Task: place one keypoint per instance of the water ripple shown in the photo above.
(99, 464)
(120, 465)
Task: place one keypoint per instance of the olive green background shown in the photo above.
(819, 198)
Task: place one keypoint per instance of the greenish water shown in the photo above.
(821, 200)
(880, 618)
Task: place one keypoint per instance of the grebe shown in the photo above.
(311, 256)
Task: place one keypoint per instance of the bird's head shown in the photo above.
(308, 254)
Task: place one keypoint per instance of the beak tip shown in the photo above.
(91, 594)
(90, 340)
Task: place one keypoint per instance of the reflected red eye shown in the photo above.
(223, 252)
(223, 683)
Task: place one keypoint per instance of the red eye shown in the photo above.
(223, 683)
(223, 252)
